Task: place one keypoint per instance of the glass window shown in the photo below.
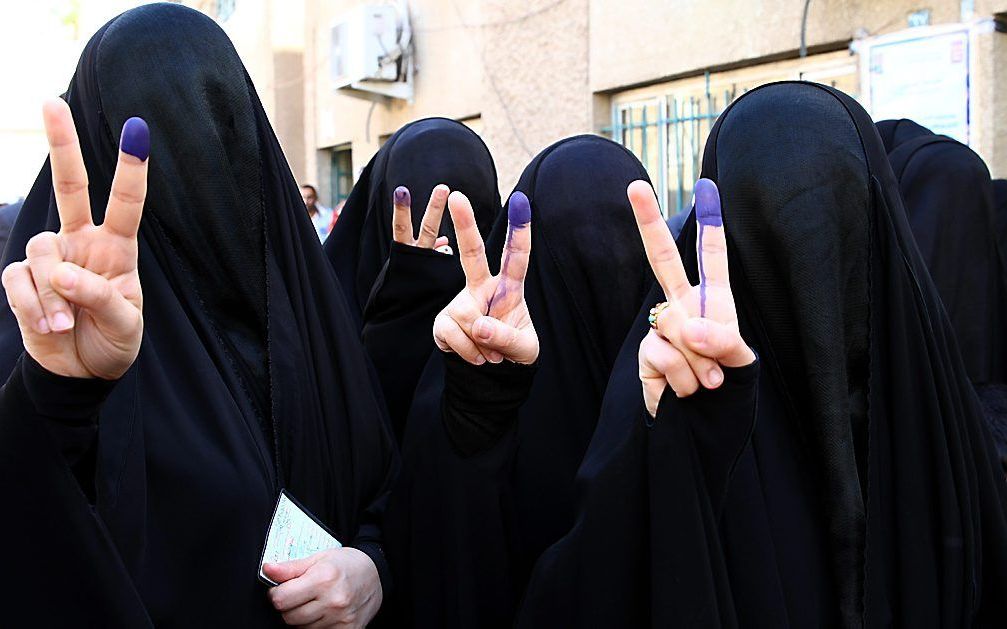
(341, 175)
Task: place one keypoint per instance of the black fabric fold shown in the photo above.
(414, 285)
(949, 201)
(481, 403)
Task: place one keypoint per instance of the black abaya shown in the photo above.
(485, 486)
(250, 375)
(870, 495)
(948, 197)
(394, 289)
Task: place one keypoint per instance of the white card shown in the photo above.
(293, 534)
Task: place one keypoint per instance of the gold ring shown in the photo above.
(655, 312)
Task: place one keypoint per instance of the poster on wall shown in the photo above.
(924, 78)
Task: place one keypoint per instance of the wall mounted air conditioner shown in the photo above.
(371, 51)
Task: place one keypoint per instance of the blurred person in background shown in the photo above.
(321, 217)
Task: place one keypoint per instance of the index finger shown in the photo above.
(69, 177)
(657, 240)
(471, 249)
(129, 185)
(402, 216)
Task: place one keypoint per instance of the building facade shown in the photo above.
(651, 74)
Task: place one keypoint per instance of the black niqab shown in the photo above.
(948, 197)
(860, 373)
(896, 132)
(419, 156)
(250, 375)
(476, 524)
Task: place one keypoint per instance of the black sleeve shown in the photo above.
(480, 404)
(720, 422)
(67, 407)
(412, 288)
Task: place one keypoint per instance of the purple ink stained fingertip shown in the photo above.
(518, 210)
(135, 138)
(708, 204)
(401, 195)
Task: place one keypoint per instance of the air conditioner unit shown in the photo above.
(371, 50)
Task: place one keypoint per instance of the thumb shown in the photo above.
(281, 572)
(520, 346)
(717, 341)
(110, 310)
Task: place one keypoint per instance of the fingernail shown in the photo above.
(441, 191)
(518, 209)
(402, 196)
(496, 358)
(483, 329)
(694, 331)
(480, 359)
(61, 322)
(42, 326)
(135, 138)
(716, 377)
(66, 278)
(708, 204)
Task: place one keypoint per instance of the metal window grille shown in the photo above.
(668, 134)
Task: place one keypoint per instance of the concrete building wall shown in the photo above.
(448, 82)
(525, 73)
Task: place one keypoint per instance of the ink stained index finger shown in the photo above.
(708, 214)
(135, 138)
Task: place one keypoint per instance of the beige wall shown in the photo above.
(534, 71)
(448, 81)
(635, 41)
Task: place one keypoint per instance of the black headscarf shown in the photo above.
(895, 132)
(861, 362)
(948, 198)
(250, 376)
(419, 156)
(479, 522)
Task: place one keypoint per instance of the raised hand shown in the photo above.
(402, 219)
(77, 297)
(695, 331)
(489, 320)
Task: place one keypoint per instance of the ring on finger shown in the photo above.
(655, 313)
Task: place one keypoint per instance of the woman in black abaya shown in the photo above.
(869, 494)
(482, 502)
(397, 284)
(948, 197)
(154, 486)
